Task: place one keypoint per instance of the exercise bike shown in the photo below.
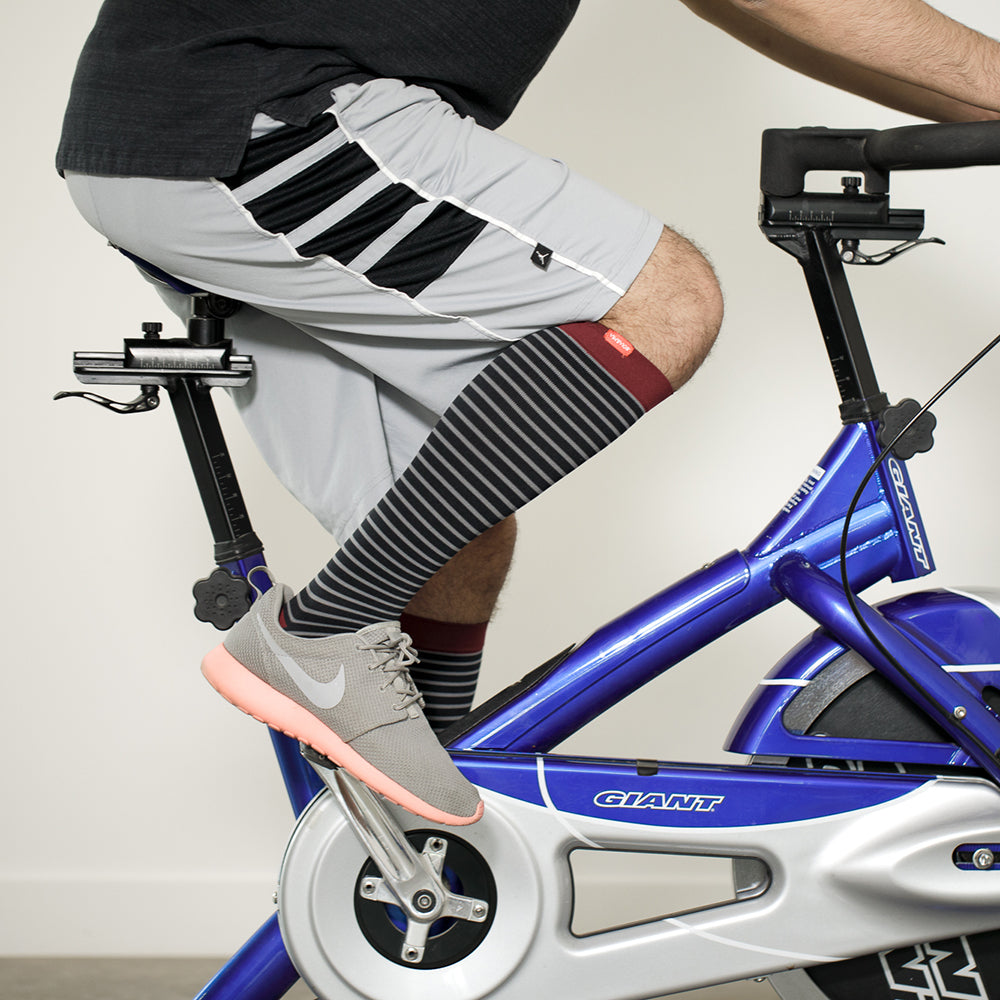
(863, 828)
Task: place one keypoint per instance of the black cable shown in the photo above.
(865, 481)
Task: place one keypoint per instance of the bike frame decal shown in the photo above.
(805, 489)
(902, 498)
(682, 795)
(945, 970)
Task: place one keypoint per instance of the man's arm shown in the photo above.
(900, 53)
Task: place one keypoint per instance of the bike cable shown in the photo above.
(867, 478)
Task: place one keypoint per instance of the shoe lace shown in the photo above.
(398, 656)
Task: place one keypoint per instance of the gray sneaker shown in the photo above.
(351, 698)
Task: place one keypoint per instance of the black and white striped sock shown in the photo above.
(543, 407)
(448, 669)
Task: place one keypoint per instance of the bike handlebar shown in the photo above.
(933, 147)
(787, 155)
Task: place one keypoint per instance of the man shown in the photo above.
(444, 323)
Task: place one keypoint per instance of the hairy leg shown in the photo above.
(465, 589)
(448, 619)
(671, 313)
(673, 310)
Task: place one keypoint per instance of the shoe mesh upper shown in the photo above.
(377, 714)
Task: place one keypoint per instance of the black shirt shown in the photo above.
(169, 88)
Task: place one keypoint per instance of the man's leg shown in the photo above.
(429, 276)
(671, 313)
(465, 589)
(673, 310)
(448, 618)
(544, 406)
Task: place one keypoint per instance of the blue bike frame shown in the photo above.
(940, 649)
(795, 558)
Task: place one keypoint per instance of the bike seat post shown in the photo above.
(205, 443)
(207, 322)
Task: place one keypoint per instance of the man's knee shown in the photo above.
(672, 312)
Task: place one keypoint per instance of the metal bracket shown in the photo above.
(410, 880)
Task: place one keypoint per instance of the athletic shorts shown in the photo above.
(386, 252)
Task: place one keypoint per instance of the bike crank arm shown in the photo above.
(411, 880)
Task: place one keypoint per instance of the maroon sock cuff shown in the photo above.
(444, 637)
(632, 370)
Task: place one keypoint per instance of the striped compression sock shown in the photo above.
(450, 657)
(541, 408)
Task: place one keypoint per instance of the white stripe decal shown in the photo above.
(783, 682)
(560, 816)
(745, 946)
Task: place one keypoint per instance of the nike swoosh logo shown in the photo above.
(323, 694)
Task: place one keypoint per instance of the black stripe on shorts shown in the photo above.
(271, 149)
(303, 196)
(420, 257)
(424, 255)
(355, 232)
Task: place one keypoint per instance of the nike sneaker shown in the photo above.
(351, 698)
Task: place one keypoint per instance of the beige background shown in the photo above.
(142, 814)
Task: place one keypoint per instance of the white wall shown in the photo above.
(141, 813)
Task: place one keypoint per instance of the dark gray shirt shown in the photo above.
(169, 88)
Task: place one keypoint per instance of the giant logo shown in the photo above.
(909, 514)
(673, 802)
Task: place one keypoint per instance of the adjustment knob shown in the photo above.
(222, 599)
(919, 436)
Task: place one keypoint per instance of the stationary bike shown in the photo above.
(864, 828)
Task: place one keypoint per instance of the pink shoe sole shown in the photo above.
(250, 694)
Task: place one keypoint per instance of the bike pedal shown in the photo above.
(316, 758)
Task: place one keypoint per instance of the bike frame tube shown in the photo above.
(682, 796)
(301, 782)
(260, 970)
(648, 640)
(951, 705)
(795, 557)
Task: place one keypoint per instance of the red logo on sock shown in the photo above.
(619, 343)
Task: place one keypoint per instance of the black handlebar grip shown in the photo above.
(787, 155)
(936, 146)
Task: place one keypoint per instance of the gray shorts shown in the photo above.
(387, 252)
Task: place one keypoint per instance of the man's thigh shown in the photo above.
(335, 435)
